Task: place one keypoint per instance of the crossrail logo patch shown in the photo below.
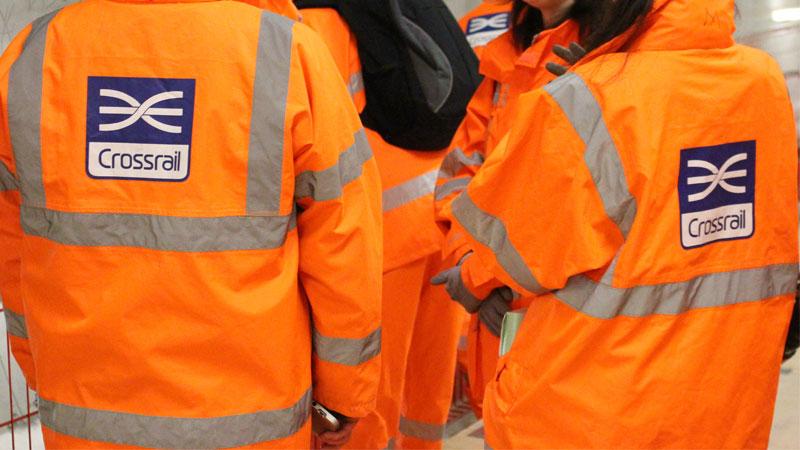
(482, 29)
(139, 128)
(716, 187)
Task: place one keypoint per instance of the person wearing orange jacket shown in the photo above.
(648, 198)
(420, 324)
(512, 64)
(485, 22)
(189, 227)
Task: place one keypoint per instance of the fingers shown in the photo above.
(556, 69)
(506, 293)
(563, 53)
(491, 313)
(440, 278)
(577, 51)
(336, 439)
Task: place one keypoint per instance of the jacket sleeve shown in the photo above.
(466, 156)
(533, 214)
(10, 228)
(338, 196)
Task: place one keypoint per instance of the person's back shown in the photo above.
(189, 172)
(658, 219)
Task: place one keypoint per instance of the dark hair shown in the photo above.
(526, 23)
(610, 18)
(599, 20)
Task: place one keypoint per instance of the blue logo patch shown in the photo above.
(716, 188)
(482, 29)
(139, 128)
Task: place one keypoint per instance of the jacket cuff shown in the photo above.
(476, 279)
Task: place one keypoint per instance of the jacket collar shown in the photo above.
(501, 58)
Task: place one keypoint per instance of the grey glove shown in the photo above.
(494, 308)
(571, 55)
(454, 285)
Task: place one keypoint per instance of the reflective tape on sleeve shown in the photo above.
(25, 111)
(182, 234)
(601, 301)
(7, 180)
(453, 186)
(457, 160)
(346, 351)
(328, 184)
(268, 116)
(411, 190)
(15, 324)
(356, 83)
(175, 432)
(421, 430)
(491, 232)
(601, 154)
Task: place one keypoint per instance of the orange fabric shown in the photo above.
(409, 232)
(699, 378)
(420, 324)
(57, 441)
(485, 22)
(420, 329)
(508, 74)
(194, 334)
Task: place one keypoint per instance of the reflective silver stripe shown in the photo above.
(267, 122)
(25, 112)
(491, 232)
(453, 186)
(327, 184)
(421, 430)
(413, 189)
(457, 160)
(15, 324)
(601, 155)
(348, 352)
(356, 83)
(175, 432)
(7, 180)
(717, 289)
(181, 234)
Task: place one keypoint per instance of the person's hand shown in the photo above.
(570, 55)
(454, 285)
(494, 308)
(337, 439)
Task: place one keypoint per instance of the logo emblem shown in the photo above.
(716, 186)
(482, 29)
(139, 128)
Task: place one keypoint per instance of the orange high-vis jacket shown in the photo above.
(190, 226)
(408, 177)
(486, 22)
(649, 197)
(508, 73)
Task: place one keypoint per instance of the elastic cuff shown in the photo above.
(477, 280)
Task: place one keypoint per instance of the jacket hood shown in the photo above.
(282, 7)
(687, 24)
(676, 25)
